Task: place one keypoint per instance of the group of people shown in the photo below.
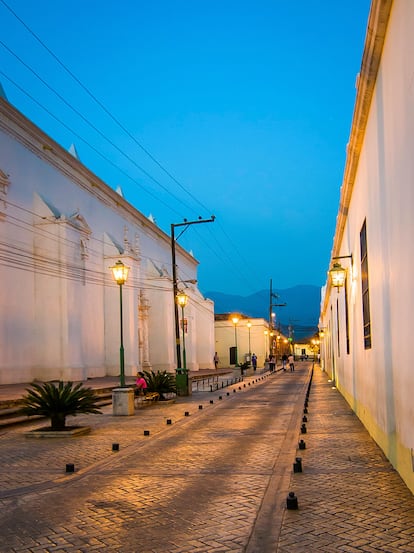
(253, 360)
(286, 360)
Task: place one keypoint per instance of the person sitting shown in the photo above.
(140, 384)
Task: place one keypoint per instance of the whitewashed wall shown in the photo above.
(378, 382)
(61, 228)
(225, 339)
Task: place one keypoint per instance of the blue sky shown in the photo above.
(245, 106)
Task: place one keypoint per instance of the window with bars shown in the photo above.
(366, 316)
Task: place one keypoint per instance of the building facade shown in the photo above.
(248, 336)
(366, 325)
(61, 229)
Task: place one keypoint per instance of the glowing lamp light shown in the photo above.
(337, 274)
(120, 272)
(182, 299)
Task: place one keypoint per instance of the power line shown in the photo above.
(79, 114)
(88, 144)
(240, 270)
(102, 106)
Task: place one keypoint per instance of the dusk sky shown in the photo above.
(245, 108)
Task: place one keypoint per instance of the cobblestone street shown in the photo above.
(214, 480)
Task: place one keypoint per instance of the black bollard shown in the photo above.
(70, 467)
(200, 407)
(115, 447)
(187, 414)
(305, 410)
(304, 418)
(302, 444)
(298, 464)
(146, 432)
(169, 421)
(292, 501)
(303, 428)
(211, 401)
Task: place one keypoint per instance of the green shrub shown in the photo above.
(162, 382)
(58, 401)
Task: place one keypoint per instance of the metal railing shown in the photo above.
(214, 383)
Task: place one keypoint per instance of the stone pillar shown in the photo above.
(143, 332)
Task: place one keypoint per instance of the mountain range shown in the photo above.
(301, 311)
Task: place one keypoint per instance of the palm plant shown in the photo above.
(58, 401)
(162, 382)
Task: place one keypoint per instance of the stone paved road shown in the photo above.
(214, 481)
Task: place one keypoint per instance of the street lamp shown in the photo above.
(182, 300)
(249, 326)
(235, 319)
(120, 275)
(338, 273)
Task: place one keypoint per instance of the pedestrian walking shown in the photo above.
(272, 363)
(254, 361)
(216, 360)
(291, 361)
(284, 361)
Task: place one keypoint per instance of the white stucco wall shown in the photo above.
(225, 339)
(378, 382)
(61, 229)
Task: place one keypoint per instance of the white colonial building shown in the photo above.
(61, 228)
(368, 323)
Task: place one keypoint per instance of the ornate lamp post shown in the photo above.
(120, 275)
(182, 300)
(249, 326)
(235, 319)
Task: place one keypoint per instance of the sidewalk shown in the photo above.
(12, 392)
(349, 496)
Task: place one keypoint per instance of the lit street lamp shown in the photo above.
(249, 326)
(182, 300)
(120, 274)
(235, 320)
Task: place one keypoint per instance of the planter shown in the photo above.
(47, 432)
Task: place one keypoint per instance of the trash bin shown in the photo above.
(183, 382)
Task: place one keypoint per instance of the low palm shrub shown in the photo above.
(162, 382)
(58, 401)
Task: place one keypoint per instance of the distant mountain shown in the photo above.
(301, 310)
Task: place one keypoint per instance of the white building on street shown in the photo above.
(368, 322)
(61, 228)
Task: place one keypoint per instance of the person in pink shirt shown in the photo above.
(140, 384)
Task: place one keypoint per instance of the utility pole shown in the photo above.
(272, 297)
(185, 224)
